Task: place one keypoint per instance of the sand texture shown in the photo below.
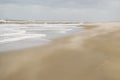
(91, 55)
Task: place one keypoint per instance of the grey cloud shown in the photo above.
(82, 10)
(58, 3)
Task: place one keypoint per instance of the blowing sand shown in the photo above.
(91, 55)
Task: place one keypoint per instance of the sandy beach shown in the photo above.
(91, 55)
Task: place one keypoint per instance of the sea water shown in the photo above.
(19, 36)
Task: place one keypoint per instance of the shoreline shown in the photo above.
(86, 28)
(34, 35)
(90, 55)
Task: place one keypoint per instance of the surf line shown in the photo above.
(23, 38)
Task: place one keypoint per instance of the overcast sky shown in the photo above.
(75, 10)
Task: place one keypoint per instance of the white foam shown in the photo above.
(18, 32)
(23, 37)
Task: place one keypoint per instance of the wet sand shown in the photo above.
(91, 55)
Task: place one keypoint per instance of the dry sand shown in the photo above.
(91, 55)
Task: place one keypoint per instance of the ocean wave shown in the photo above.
(17, 32)
(13, 33)
(23, 37)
